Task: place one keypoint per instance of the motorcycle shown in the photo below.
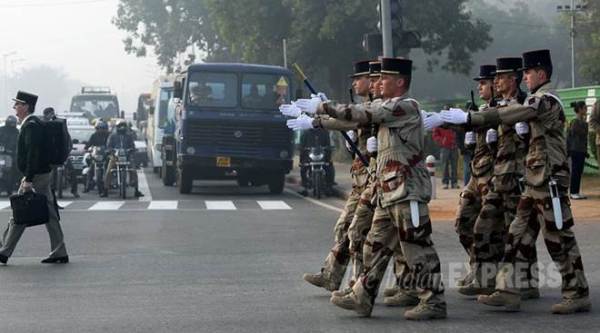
(7, 176)
(315, 171)
(95, 160)
(121, 173)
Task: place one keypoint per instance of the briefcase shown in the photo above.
(29, 209)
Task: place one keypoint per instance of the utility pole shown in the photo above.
(572, 10)
(386, 28)
(285, 61)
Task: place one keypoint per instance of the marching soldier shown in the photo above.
(360, 250)
(500, 202)
(401, 217)
(471, 199)
(544, 205)
(334, 267)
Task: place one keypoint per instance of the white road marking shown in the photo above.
(64, 204)
(274, 205)
(107, 205)
(316, 202)
(163, 205)
(4, 204)
(220, 205)
(143, 186)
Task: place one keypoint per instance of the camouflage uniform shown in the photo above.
(500, 203)
(402, 178)
(334, 267)
(471, 198)
(546, 159)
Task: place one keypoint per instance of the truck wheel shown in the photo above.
(184, 181)
(168, 175)
(276, 184)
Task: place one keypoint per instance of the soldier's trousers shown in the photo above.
(469, 207)
(498, 211)
(358, 233)
(535, 213)
(334, 267)
(392, 232)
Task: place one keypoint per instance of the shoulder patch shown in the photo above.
(554, 98)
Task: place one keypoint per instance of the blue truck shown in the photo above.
(228, 125)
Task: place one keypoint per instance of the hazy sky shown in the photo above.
(77, 36)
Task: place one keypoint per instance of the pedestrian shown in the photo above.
(577, 138)
(546, 179)
(446, 140)
(33, 163)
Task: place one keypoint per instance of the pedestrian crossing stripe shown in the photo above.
(167, 205)
(107, 205)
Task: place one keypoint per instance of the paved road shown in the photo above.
(226, 260)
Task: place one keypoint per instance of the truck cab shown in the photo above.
(228, 125)
(96, 102)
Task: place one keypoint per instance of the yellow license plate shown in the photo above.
(223, 162)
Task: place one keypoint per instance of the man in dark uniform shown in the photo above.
(33, 164)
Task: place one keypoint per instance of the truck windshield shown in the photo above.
(105, 107)
(209, 89)
(163, 106)
(264, 91)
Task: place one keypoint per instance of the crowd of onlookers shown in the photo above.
(450, 141)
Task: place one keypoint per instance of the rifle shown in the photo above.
(353, 146)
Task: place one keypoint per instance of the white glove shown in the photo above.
(491, 136)
(352, 135)
(290, 110)
(321, 96)
(425, 114)
(454, 116)
(303, 122)
(372, 144)
(432, 121)
(470, 138)
(522, 128)
(309, 105)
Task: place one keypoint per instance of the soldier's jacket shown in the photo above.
(401, 170)
(483, 156)
(510, 157)
(547, 153)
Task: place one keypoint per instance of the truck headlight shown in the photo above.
(191, 150)
(284, 154)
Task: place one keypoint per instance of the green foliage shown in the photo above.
(589, 30)
(324, 36)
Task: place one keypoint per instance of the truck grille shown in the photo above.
(238, 139)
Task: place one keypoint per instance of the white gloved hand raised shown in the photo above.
(372, 144)
(303, 122)
(491, 136)
(321, 96)
(290, 110)
(454, 116)
(470, 138)
(309, 105)
(352, 135)
(522, 128)
(432, 121)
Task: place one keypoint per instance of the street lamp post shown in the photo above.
(572, 10)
